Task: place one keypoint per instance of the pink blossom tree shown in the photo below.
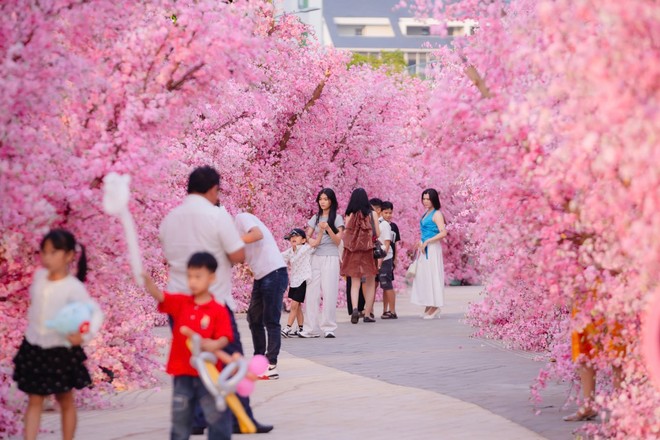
(552, 107)
(94, 87)
(153, 89)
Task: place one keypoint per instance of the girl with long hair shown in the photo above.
(358, 259)
(326, 228)
(429, 282)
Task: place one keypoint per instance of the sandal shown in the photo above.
(368, 319)
(355, 316)
(386, 315)
(393, 315)
(581, 415)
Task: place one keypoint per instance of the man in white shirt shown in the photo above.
(199, 224)
(270, 281)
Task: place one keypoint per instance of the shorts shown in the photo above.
(298, 293)
(386, 274)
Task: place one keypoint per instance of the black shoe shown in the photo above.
(355, 316)
(198, 431)
(263, 429)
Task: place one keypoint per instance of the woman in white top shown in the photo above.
(328, 226)
(49, 362)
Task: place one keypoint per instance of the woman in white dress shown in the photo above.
(429, 282)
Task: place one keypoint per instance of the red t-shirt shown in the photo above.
(210, 320)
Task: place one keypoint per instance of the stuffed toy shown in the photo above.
(77, 317)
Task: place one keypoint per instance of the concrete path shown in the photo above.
(406, 378)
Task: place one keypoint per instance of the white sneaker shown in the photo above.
(330, 335)
(271, 373)
(286, 332)
(304, 334)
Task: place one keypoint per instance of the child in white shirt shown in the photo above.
(49, 362)
(298, 257)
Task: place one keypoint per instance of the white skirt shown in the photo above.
(428, 287)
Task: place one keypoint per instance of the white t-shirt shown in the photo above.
(386, 233)
(300, 263)
(262, 256)
(327, 247)
(197, 225)
(47, 298)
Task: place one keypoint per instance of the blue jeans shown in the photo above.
(265, 311)
(189, 390)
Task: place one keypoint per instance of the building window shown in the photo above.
(303, 4)
(456, 31)
(415, 31)
(358, 31)
(411, 59)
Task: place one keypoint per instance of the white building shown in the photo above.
(369, 27)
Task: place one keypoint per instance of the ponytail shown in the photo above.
(81, 274)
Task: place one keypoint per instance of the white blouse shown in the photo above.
(300, 263)
(46, 299)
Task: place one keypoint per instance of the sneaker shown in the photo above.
(271, 373)
(330, 335)
(305, 334)
(294, 332)
(286, 332)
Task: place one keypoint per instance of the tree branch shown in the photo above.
(478, 81)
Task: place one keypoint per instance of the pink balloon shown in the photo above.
(245, 388)
(258, 365)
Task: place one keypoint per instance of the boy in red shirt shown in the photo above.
(200, 313)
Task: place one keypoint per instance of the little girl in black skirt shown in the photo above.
(48, 362)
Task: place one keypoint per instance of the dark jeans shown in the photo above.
(349, 301)
(190, 391)
(234, 347)
(265, 311)
(237, 347)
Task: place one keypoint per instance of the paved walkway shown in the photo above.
(406, 378)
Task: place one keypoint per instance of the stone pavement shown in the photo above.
(407, 378)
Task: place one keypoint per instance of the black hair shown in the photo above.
(332, 215)
(376, 202)
(205, 260)
(433, 196)
(387, 205)
(203, 179)
(359, 202)
(64, 240)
